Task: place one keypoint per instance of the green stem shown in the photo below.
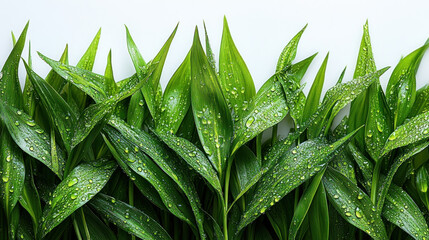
(374, 184)
(85, 227)
(76, 229)
(225, 205)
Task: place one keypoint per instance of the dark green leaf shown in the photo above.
(294, 168)
(211, 114)
(401, 88)
(111, 87)
(353, 204)
(74, 191)
(234, 76)
(318, 215)
(128, 218)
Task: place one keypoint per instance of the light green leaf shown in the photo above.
(289, 51)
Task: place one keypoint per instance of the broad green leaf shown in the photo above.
(234, 76)
(313, 99)
(211, 114)
(338, 97)
(289, 51)
(353, 204)
(53, 78)
(294, 168)
(128, 218)
(176, 99)
(410, 132)
(61, 113)
(168, 162)
(359, 107)
(401, 210)
(9, 83)
(12, 172)
(266, 109)
(86, 62)
(137, 110)
(421, 104)
(31, 138)
(422, 179)
(378, 123)
(401, 88)
(386, 183)
(193, 156)
(304, 204)
(125, 153)
(74, 191)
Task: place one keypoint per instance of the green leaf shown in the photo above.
(234, 76)
(319, 215)
(168, 162)
(401, 88)
(86, 62)
(304, 204)
(289, 51)
(338, 97)
(313, 98)
(209, 52)
(176, 99)
(60, 112)
(353, 204)
(193, 156)
(9, 82)
(96, 228)
(125, 153)
(12, 172)
(211, 114)
(137, 110)
(407, 154)
(31, 138)
(128, 218)
(416, 129)
(294, 168)
(74, 191)
(151, 89)
(53, 78)
(401, 210)
(111, 87)
(378, 123)
(359, 106)
(28, 92)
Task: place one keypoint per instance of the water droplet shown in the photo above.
(358, 213)
(360, 196)
(72, 181)
(294, 151)
(73, 196)
(16, 123)
(5, 179)
(336, 196)
(392, 137)
(31, 123)
(31, 148)
(126, 150)
(19, 112)
(249, 121)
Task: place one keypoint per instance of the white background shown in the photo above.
(260, 30)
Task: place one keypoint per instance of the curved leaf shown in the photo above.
(128, 218)
(211, 114)
(74, 191)
(353, 204)
(294, 168)
(289, 51)
(234, 76)
(31, 138)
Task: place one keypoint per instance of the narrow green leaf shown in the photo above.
(111, 87)
(137, 110)
(319, 215)
(169, 163)
(401, 210)
(12, 172)
(74, 191)
(60, 112)
(304, 205)
(211, 114)
(142, 165)
(294, 168)
(313, 98)
(209, 52)
(234, 76)
(53, 78)
(9, 83)
(97, 229)
(31, 138)
(176, 99)
(353, 204)
(128, 218)
(193, 156)
(410, 132)
(28, 92)
(359, 107)
(401, 88)
(289, 51)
